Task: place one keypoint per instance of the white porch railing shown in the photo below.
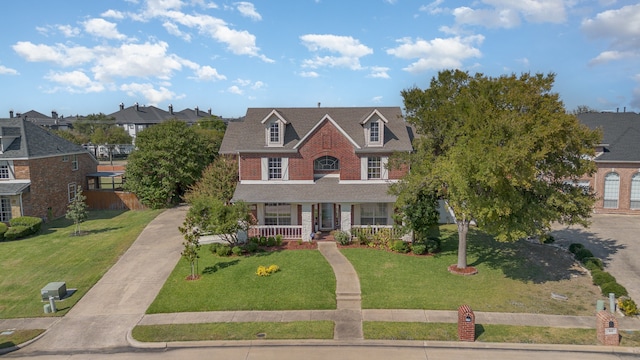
(371, 230)
(288, 232)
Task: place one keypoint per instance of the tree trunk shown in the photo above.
(463, 229)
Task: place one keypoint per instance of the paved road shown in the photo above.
(616, 240)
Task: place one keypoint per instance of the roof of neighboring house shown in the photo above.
(247, 135)
(620, 132)
(138, 114)
(27, 140)
(326, 189)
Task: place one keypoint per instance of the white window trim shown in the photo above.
(264, 165)
(10, 169)
(607, 196)
(364, 168)
(267, 133)
(72, 190)
(367, 133)
(74, 162)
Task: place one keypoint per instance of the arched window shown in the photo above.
(635, 191)
(326, 163)
(611, 190)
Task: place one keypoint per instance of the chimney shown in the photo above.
(625, 109)
(197, 111)
(318, 103)
(121, 106)
(209, 111)
(54, 114)
(617, 109)
(171, 109)
(136, 105)
(10, 113)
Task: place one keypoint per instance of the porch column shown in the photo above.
(345, 217)
(307, 222)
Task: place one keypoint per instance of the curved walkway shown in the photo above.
(103, 318)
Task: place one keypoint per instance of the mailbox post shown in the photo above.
(607, 328)
(466, 324)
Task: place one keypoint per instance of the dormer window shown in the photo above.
(374, 132)
(274, 133)
(374, 129)
(274, 129)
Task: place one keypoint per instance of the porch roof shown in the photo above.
(323, 190)
(13, 188)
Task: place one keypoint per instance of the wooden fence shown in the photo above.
(112, 200)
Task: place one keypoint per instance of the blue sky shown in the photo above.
(83, 57)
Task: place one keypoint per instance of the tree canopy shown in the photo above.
(502, 151)
(169, 158)
(218, 181)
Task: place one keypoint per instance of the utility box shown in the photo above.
(607, 328)
(466, 324)
(56, 289)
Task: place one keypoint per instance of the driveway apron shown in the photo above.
(102, 318)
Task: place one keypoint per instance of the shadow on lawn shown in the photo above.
(219, 266)
(520, 260)
(61, 223)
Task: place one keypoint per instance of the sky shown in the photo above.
(85, 57)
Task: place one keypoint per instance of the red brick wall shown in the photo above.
(325, 141)
(50, 178)
(626, 172)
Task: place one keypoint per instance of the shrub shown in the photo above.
(400, 246)
(17, 232)
(236, 250)
(383, 238)
(613, 287)
(33, 223)
(214, 247)
(254, 240)
(251, 247)
(278, 239)
(3, 229)
(266, 271)
(628, 306)
(262, 241)
(342, 237)
(583, 254)
(602, 277)
(419, 248)
(223, 250)
(547, 239)
(573, 248)
(433, 244)
(593, 263)
(271, 241)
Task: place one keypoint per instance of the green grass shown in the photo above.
(235, 331)
(490, 333)
(513, 277)
(18, 337)
(57, 255)
(305, 281)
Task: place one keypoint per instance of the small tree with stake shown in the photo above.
(191, 246)
(77, 210)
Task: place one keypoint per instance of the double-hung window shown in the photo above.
(5, 170)
(277, 214)
(373, 214)
(274, 133)
(74, 162)
(611, 190)
(5, 209)
(72, 189)
(374, 132)
(275, 168)
(374, 167)
(635, 191)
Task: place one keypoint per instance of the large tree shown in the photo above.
(168, 160)
(218, 181)
(502, 152)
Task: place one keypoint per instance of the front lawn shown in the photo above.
(57, 255)
(305, 281)
(513, 277)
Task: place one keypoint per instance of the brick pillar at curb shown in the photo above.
(466, 324)
(607, 328)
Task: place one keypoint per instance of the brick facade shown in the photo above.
(626, 172)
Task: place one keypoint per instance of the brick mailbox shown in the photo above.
(607, 328)
(466, 324)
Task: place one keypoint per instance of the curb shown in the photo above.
(20, 346)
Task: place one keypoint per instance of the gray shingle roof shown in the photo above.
(621, 134)
(247, 135)
(33, 141)
(13, 188)
(326, 189)
(154, 115)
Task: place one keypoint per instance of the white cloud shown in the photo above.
(114, 14)
(379, 72)
(59, 53)
(235, 90)
(137, 60)
(620, 28)
(433, 8)
(154, 96)
(258, 85)
(508, 13)
(207, 73)
(309, 74)
(8, 71)
(174, 30)
(68, 30)
(350, 51)
(376, 99)
(248, 10)
(75, 81)
(103, 28)
(437, 53)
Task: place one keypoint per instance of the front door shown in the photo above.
(326, 216)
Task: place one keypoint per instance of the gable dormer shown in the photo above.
(274, 129)
(7, 136)
(373, 126)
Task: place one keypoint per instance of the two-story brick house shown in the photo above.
(303, 170)
(39, 172)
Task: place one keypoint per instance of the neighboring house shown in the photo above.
(303, 170)
(53, 122)
(40, 173)
(137, 118)
(617, 180)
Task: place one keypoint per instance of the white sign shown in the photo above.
(610, 331)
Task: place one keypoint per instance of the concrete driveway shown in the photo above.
(613, 238)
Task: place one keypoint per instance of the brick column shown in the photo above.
(466, 324)
(607, 328)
